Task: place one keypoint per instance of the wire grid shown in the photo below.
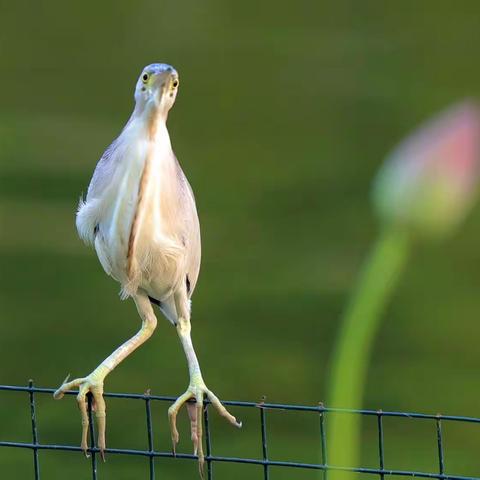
(320, 411)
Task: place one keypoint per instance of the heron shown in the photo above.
(140, 215)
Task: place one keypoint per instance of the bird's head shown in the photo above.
(156, 89)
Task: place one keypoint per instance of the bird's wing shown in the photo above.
(88, 213)
(102, 175)
(187, 211)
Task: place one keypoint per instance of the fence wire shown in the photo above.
(320, 411)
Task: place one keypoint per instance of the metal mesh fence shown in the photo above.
(320, 414)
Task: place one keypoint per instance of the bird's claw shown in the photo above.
(197, 390)
(58, 394)
(95, 387)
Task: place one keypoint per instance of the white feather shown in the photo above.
(161, 260)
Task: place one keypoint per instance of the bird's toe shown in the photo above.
(93, 385)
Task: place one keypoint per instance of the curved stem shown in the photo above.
(354, 344)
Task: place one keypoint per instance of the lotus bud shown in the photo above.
(429, 182)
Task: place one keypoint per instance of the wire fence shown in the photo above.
(320, 411)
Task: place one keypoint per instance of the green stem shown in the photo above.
(354, 345)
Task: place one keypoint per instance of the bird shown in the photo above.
(140, 216)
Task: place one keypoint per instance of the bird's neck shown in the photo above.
(156, 126)
(154, 116)
(152, 123)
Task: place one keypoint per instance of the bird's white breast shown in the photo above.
(134, 197)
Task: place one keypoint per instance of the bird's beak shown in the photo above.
(167, 82)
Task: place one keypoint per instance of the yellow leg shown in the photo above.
(94, 382)
(197, 390)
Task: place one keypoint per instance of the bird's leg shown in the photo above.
(197, 390)
(94, 381)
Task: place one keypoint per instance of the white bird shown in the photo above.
(140, 215)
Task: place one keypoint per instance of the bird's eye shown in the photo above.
(145, 77)
(175, 83)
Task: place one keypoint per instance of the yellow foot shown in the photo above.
(85, 385)
(197, 390)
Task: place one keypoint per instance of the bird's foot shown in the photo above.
(197, 390)
(93, 383)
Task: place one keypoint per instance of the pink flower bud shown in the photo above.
(429, 182)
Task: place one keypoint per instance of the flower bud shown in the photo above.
(429, 182)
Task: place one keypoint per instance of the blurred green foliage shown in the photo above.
(284, 114)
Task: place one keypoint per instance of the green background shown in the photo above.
(285, 112)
